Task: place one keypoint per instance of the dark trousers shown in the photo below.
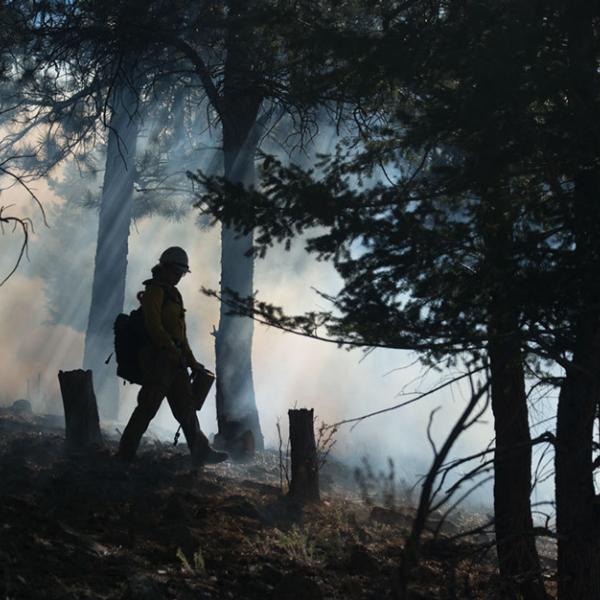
(163, 378)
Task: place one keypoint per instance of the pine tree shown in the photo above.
(457, 253)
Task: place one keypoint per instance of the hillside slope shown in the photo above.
(76, 528)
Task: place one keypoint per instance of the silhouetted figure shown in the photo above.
(164, 364)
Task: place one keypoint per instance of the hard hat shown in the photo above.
(176, 257)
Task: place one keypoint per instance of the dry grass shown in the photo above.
(86, 528)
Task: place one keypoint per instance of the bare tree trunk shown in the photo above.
(518, 559)
(110, 267)
(576, 508)
(304, 485)
(577, 517)
(82, 425)
(241, 102)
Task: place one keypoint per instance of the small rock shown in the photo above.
(21, 407)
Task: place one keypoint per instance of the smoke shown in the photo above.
(44, 308)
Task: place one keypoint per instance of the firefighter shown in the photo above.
(164, 364)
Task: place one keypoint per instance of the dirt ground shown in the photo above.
(86, 527)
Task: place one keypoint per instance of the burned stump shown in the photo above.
(82, 425)
(304, 485)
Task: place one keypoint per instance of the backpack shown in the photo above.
(131, 336)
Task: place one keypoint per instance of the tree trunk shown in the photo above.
(82, 425)
(304, 485)
(110, 268)
(518, 559)
(515, 541)
(576, 508)
(233, 345)
(577, 517)
(241, 102)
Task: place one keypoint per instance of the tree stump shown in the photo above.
(304, 485)
(82, 425)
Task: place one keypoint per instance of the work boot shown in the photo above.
(209, 457)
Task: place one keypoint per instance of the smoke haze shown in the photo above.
(43, 310)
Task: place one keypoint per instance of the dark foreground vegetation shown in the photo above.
(76, 528)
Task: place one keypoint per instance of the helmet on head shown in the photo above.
(175, 257)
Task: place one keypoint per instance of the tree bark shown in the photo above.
(241, 102)
(577, 513)
(110, 267)
(577, 518)
(576, 508)
(518, 559)
(304, 485)
(82, 425)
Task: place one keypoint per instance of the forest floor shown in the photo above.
(86, 527)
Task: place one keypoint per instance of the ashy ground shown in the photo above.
(85, 527)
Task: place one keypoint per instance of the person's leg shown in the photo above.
(156, 382)
(149, 400)
(181, 402)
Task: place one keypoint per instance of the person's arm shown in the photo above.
(152, 302)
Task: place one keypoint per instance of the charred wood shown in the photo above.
(304, 485)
